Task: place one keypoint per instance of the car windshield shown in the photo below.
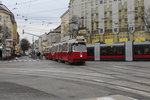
(79, 47)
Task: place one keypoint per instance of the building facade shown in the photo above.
(8, 32)
(112, 21)
(54, 36)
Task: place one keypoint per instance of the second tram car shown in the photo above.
(106, 52)
(141, 51)
(112, 52)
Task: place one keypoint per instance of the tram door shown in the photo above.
(90, 53)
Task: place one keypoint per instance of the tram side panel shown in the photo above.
(141, 51)
(112, 53)
(64, 53)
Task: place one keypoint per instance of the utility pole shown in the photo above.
(4, 41)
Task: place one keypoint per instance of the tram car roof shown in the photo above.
(116, 44)
(79, 39)
(48, 46)
(142, 43)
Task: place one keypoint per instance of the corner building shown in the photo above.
(113, 21)
(8, 32)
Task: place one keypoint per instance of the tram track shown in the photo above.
(91, 68)
(85, 78)
(124, 67)
(122, 79)
(141, 93)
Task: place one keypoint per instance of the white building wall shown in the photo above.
(147, 9)
(131, 14)
(115, 17)
(75, 8)
(101, 18)
(147, 4)
(88, 16)
(86, 13)
(65, 24)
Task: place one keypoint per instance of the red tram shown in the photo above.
(47, 53)
(72, 51)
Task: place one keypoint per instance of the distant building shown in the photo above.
(43, 42)
(54, 36)
(48, 39)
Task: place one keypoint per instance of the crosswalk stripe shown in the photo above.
(30, 60)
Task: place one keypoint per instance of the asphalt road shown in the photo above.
(29, 79)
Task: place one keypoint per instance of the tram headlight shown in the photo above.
(81, 56)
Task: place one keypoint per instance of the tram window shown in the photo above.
(115, 50)
(90, 51)
(142, 50)
(60, 48)
(79, 47)
(65, 47)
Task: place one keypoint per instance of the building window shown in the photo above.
(101, 2)
(101, 31)
(115, 30)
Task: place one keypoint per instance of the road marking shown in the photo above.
(11, 61)
(113, 97)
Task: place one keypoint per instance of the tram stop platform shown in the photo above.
(113, 97)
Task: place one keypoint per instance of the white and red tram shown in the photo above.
(71, 51)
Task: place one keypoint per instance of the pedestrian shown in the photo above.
(38, 55)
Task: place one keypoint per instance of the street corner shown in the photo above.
(113, 97)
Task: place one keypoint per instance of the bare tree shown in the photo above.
(75, 24)
(146, 19)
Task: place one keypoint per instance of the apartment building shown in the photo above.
(112, 21)
(123, 20)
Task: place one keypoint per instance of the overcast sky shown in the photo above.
(36, 16)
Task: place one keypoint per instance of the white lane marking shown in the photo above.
(105, 98)
(20, 61)
(113, 97)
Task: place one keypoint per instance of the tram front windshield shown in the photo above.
(79, 47)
